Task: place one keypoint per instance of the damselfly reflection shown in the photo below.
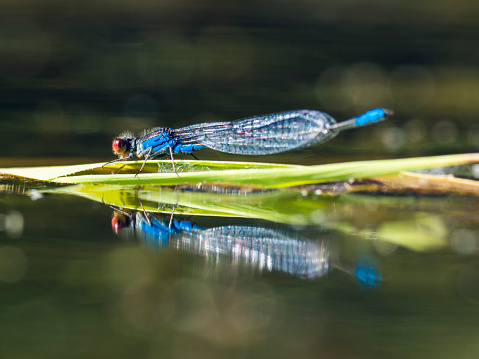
(281, 250)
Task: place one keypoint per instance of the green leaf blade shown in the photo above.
(265, 175)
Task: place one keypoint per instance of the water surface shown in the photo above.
(346, 276)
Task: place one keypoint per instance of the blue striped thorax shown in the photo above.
(155, 142)
(162, 141)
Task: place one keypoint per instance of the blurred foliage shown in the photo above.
(75, 74)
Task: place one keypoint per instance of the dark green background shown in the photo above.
(75, 74)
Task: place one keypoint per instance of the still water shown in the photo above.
(167, 272)
(151, 272)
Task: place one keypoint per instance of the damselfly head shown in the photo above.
(119, 222)
(120, 146)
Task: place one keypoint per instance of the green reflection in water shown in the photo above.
(419, 224)
(84, 289)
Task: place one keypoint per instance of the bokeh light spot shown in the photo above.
(366, 85)
(393, 138)
(12, 223)
(415, 131)
(444, 132)
(464, 241)
(127, 269)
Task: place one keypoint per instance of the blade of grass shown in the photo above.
(420, 182)
(282, 177)
(52, 173)
(264, 175)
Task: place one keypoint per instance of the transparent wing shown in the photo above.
(275, 250)
(262, 135)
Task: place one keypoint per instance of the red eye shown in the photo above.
(118, 146)
(118, 222)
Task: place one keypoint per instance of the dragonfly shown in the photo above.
(258, 135)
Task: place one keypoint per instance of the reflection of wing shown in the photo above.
(263, 247)
(262, 135)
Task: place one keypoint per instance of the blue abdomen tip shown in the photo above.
(372, 116)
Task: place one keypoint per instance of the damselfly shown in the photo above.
(259, 135)
(278, 248)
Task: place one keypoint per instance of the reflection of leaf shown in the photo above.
(278, 206)
(232, 173)
(423, 233)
